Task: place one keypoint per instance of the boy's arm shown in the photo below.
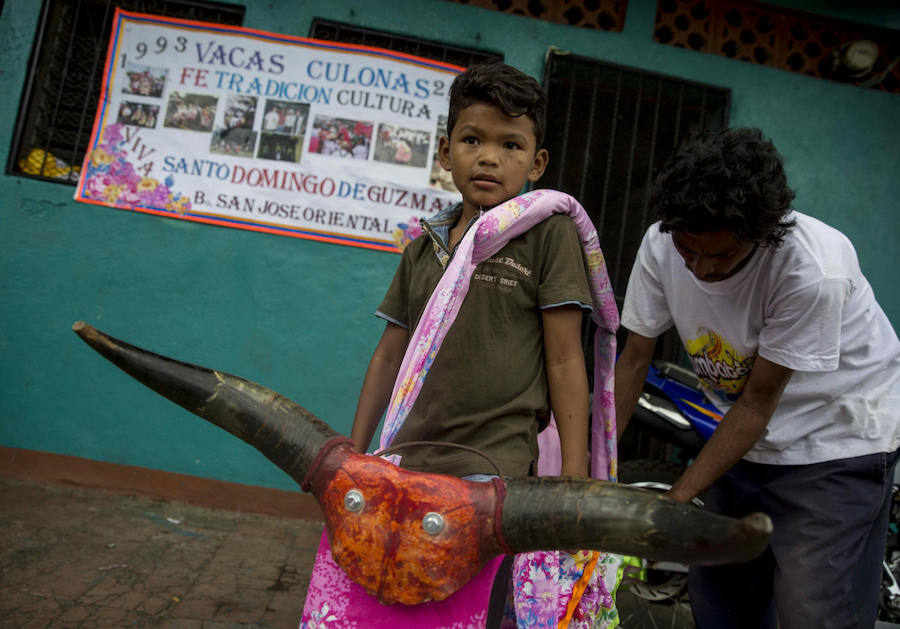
(378, 384)
(567, 380)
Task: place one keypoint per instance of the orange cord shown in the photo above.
(578, 590)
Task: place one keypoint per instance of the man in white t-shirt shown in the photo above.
(789, 342)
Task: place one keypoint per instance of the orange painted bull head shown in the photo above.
(409, 537)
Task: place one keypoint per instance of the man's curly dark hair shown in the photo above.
(731, 179)
(503, 86)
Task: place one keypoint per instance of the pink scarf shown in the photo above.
(489, 234)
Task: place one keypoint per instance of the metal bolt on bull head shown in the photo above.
(410, 537)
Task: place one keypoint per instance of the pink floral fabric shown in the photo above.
(543, 582)
(333, 601)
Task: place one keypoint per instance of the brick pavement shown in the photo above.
(86, 558)
(82, 558)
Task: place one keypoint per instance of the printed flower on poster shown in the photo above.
(179, 204)
(147, 184)
(405, 233)
(112, 192)
(112, 179)
(100, 158)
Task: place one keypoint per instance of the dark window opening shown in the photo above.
(65, 74)
(610, 128)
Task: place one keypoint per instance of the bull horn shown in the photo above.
(285, 432)
(552, 512)
(537, 513)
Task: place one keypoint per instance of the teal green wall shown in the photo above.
(295, 315)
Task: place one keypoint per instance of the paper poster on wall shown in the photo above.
(266, 132)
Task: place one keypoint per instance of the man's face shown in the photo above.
(712, 256)
(491, 155)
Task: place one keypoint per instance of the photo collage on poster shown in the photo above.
(400, 145)
(283, 129)
(235, 136)
(440, 178)
(340, 137)
(277, 130)
(144, 83)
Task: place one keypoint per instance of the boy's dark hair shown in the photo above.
(731, 179)
(504, 86)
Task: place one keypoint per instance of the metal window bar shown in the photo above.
(84, 121)
(630, 170)
(614, 123)
(351, 34)
(610, 129)
(64, 77)
(563, 130)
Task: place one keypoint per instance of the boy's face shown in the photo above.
(491, 155)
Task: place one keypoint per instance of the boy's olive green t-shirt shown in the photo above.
(487, 388)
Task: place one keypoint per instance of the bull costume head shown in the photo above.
(410, 537)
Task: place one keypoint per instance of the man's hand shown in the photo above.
(739, 430)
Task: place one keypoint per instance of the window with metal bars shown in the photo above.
(350, 34)
(58, 103)
(610, 128)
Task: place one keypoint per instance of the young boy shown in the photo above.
(509, 332)
(514, 352)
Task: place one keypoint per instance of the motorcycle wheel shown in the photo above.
(661, 598)
(889, 598)
(889, 601)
